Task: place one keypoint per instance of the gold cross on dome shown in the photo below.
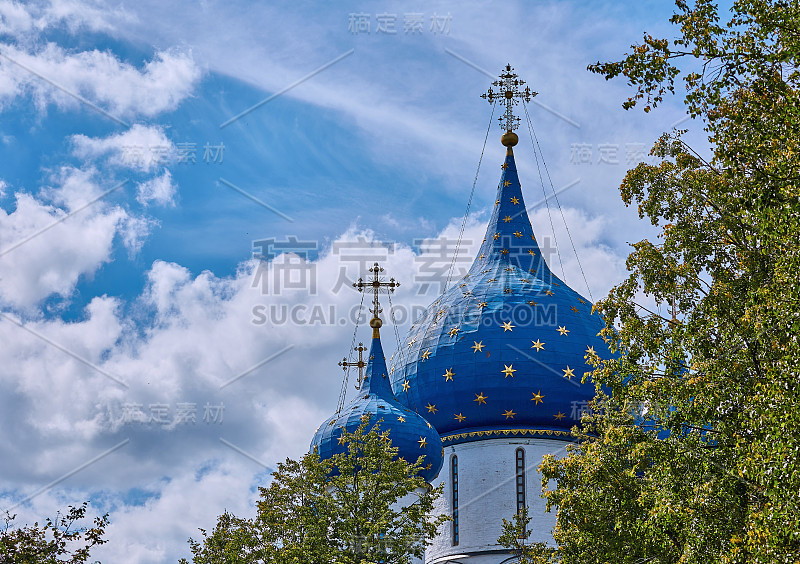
(360, 364)
(510, 93)
(376, 285)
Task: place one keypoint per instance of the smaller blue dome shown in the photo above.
(409, 432)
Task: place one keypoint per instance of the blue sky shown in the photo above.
(151, 284)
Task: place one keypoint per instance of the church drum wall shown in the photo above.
(487, 493)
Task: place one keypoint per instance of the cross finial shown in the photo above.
(361, 364)
(376, 286)
(509, 90)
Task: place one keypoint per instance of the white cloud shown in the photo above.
(52, 262)
(159, 190)
(134, 232)
(79, 15)
(18, 19)
(14, 18)
(48, 243)
(98, 76)
(142, 147)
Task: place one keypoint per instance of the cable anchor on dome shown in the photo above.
(509, 91)
(361, 364)
(376, 285)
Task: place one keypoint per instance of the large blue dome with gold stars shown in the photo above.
(502, 352)
(411, 434)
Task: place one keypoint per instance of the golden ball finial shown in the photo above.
(376, 323)
(509, 139)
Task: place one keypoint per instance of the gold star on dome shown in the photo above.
(537, 398)
(509, 414)
(467, 294)
(508, 370)
(556, 284)
(423, 442)
(412, 341)
(507, 290)
(478, 346)
(428, 466)
(482, 304)
(497, 202)
(580, 300)
(482, 255)
(559, 416)
(426, 354)
(492, 280)
(504, 252)
(406, 385)
(506, 183)
(401, 419)
(504, 166)
(568, 372)
(454, 331)
(509, 269)
(341, 440)
(431, 407)
(460, 417)
(525, 280)
(514, 200)
(496, 236)
(508, 327)
(507, 218)
(563, 330)
(549, 292)
(575, 309)
(590, 350)
(531, 252)
(448, 376)
(517, 234)
(531, 303)
(480, 398)
(537, 344)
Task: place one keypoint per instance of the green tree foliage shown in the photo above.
(514, 537)
(694, 454)
(363, 506)
(59, 540)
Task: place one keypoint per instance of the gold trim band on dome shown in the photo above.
(505, 432)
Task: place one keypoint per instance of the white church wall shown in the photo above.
(487, 494)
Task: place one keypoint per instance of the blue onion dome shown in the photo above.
(502, 352)
(408, 431)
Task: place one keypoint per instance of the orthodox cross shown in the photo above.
(376, 285)
(361, 364)
(509, 85)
